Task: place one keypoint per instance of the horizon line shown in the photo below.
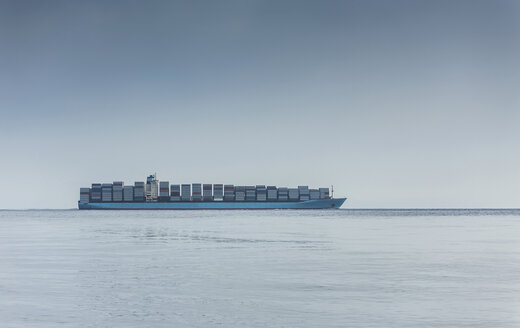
(356, 209)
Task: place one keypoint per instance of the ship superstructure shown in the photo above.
(152, 188)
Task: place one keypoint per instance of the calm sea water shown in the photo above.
(343, 268)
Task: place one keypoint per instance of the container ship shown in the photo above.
(161, 195)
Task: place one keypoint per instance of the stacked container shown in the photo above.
(218, 192)
(272, 193)
(175, 193)
(139, 191)
(294, 194)
(240, 193)
(304, 193)
(207, 192)
(95, 192)
(117, 191)
(164, 191)
(261, 193)
(186, 192)
(314, 194)
(250, 193)
(153, 190)
(196, 192)
(324, 193)
(106, 192)
(84, 195)
(128, 193)
(229, 193)
(283, 194)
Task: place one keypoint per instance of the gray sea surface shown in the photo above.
(330, 268)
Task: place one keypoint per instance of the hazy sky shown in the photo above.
(396, 103)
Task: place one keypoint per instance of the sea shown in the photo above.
(271, 268)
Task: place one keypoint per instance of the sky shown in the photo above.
(398, 104)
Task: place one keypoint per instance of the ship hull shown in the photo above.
(310, 204)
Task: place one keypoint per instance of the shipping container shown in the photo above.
(164, 188)
(84, 195)
(117, 191)
(207, 192)
(294, 194)
(218, 192)
(304, 193)
(229, 193)
(261, 193)
(128, 193)
(139, 195)
(95, 192)
(283, 194)
(117, 196)
(324, 193)
(250, 193)
(175, 193)
(106, 192)
(186, 192)
(196, 192)
(240, 193)
(164, 191)
(272, 193)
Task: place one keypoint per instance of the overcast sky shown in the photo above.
(395, 103)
